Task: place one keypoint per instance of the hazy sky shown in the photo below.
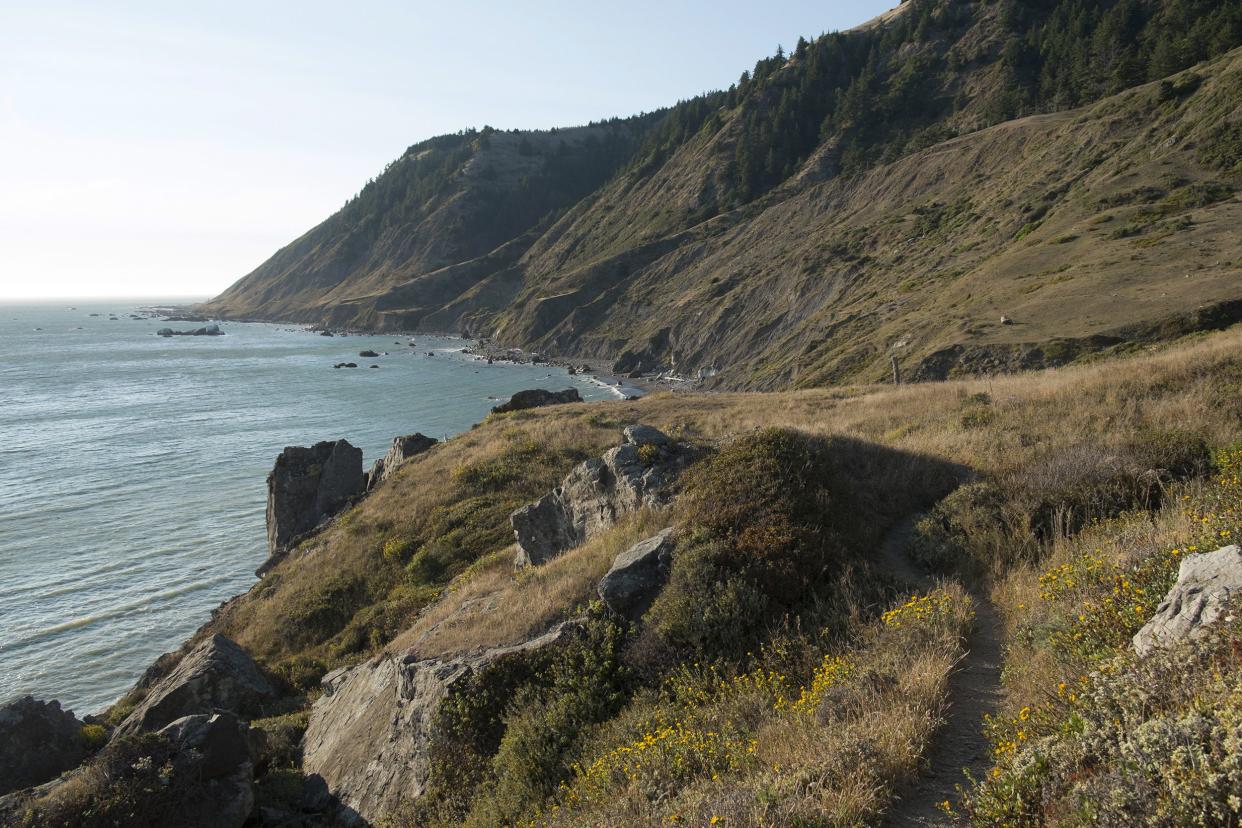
(154, 149)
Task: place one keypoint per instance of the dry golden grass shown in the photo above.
(339, 598)
(494, 605)
(1031, 667)
(1190, 385)
(339, 595)
(836, 762)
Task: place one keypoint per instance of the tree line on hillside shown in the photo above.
(880, 93)
(860, 98)
(414, 185)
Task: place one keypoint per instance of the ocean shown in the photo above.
(133, 469)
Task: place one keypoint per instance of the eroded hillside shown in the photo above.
(873, 194)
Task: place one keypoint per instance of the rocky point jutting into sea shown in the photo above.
(132, 479)
(199, 698)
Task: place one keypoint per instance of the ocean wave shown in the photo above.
(133, 607)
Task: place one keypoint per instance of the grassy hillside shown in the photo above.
(887, 192)
(444, 201)
(842, 552)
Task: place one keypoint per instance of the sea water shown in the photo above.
(133, 466)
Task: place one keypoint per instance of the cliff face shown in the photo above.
(872, 195)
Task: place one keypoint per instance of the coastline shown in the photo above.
(209, 411)
(599, 372)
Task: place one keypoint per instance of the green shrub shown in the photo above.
(132, 781)
(504, 741)
(977, 417)
(970, 531)
(520, 461)
(302, 672)
(459, 533)
(1145, 742)
(94, 736)
(396, 549)
(1106, 737)
(546, 721)
(757, 516)
(984, 527)
(279, 742)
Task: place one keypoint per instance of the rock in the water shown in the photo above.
(215, 675)
(207, 330)
(309, 485)
(370, 732)
(537, 398)
(213, 750)
(403, 448)
(368, 354)
(38, 742)
(637, 575)
(641, 472)
(1205, 586)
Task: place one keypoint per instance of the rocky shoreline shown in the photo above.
(625, 384)
(192, 707)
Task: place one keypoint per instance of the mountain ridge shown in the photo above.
(628, 271)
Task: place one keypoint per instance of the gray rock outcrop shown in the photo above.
(636, 576)
(640, 472)
(370, 733)
(214, 751)
(38, 742)
(202, 776)
(309, 485)
(537, 398)
(207, 330)
(216, 675)
(1206, 585)
(403, 448)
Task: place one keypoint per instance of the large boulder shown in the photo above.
(38, 742)
(214, 750)
(1206, 585)
(309, 485)
(216, 675)
(537, 398)
(640, 472)
(370, 733)
(403, 448)
(636, 576)
(195, 772)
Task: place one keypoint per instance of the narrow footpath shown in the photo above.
(974, 689)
